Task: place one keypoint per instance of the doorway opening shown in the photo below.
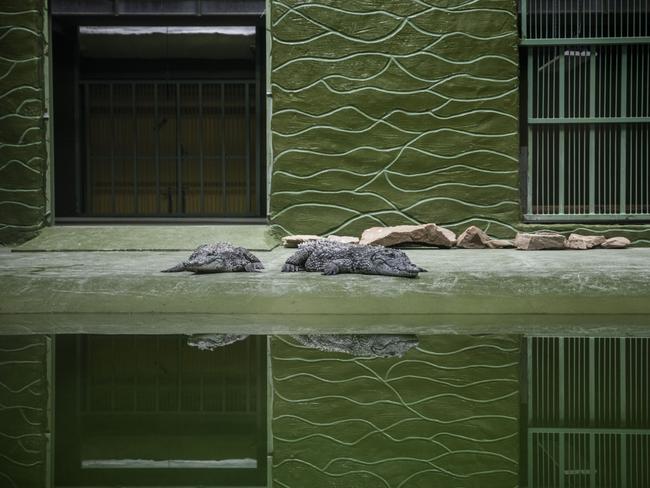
(158, 122)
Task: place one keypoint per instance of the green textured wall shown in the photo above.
(444, 415)
(22, 128)
(393, 112)
(24, 428)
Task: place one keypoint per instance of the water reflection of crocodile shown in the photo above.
(364, 345)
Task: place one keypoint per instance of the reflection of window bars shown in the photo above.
(588, 110)
(163, 374)
(588, 402)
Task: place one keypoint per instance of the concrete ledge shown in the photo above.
(466, 291)
(68, 238)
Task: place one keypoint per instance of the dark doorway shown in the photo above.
(152, 410)
(158, 122)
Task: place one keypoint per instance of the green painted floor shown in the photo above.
(147, 237)
(465, 291)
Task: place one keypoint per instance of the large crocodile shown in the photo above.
(221, 257)
(364, 345)
(333, 258)
(360, 345)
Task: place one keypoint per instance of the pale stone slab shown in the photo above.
(343, 239)
(473, 238)
(426, 234)
(616, 243)
(500, 244)
(295, 240)
(539, 241)
(581, 242)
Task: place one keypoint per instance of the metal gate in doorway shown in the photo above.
(171, 149)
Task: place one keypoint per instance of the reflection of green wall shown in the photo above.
(24, 429)
(445, 415)
(387, 113)
(22, 130)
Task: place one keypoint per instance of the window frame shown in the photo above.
(548, 170)
(246, 14)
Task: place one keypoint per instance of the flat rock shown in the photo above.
(293, 241)
(539, 241)
(426, 234)
(499, 244)
(578, 241)
(343, 239)
(473, 238)
(616, 243)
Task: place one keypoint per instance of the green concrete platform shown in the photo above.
(598, 292)
(147, 237)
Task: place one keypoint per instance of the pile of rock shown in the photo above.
(552, 240)
(425, 235)
(433, 235)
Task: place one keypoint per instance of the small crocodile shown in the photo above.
(210, 342)
(333, 258)
(221, 257)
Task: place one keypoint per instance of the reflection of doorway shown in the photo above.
(151, 410)
(158, 122)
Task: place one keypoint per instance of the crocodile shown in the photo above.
(359, 345)
(333, 258)
(210, 342)
(221, 257)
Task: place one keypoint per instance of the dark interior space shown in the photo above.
(158, 121)
(144, 410)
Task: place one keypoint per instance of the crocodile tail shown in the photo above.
(175, 269)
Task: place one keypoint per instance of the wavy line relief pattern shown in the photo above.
(342, 421)
(22, 141)
(357, 142)
(23, 411)
(400, 20)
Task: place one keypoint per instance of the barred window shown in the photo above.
(587, 108)
(587, 404)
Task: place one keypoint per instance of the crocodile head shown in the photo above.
(222, 262)
(393, 262)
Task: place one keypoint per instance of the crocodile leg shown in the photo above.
(296, 262)
(253, 259)
(253, 267)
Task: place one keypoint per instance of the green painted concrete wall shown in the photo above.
(444, 415)
(24, 426)
(381, 114)
(393, 112)
(22, 127)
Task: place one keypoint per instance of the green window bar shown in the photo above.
(588, 402)
(588, 111)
